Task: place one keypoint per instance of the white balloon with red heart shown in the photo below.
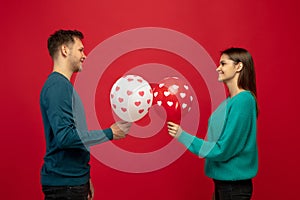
(131, 97)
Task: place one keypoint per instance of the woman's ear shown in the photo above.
(239, 66)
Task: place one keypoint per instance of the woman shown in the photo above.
(231, 148)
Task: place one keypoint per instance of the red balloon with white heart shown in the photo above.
(175, 96)
(131, 97)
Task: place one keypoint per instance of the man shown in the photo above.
(65, 173)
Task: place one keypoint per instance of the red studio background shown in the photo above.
(268, 29)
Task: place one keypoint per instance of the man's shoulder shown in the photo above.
(57, 84)
(56, 80)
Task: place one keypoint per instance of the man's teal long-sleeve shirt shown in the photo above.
(66, 161)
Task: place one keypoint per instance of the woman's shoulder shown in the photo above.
(244, 98)
(245, 94)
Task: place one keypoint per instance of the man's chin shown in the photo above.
(79, 69)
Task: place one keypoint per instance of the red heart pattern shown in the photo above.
(137, 103)
(141, 93)
(141, 111)
(129, 92)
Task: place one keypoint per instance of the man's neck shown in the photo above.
(62, 71)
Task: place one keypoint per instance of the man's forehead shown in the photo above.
(78, 41)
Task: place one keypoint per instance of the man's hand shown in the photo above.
(120, 129)
(91, 191)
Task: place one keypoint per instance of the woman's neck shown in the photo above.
(233, 89)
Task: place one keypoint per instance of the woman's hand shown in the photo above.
(174, 129)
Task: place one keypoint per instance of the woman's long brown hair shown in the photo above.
(247, 78)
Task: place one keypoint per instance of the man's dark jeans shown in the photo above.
(233, 190)
(66, 192)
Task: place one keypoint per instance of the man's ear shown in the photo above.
(239, 66)
(64, 50)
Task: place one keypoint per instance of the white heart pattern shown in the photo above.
(182, 95)
(170, 103)
(159, 103)
(155, 94)
(184, 105)
(166, 93)
(173, 89)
